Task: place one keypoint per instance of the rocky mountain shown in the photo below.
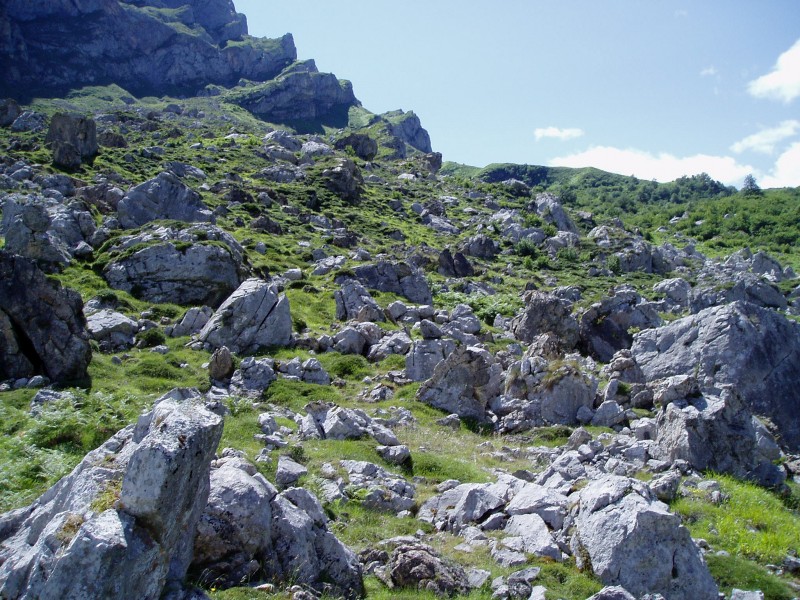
(257, 341)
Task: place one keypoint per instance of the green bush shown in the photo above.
(152, 337)
(526, 248)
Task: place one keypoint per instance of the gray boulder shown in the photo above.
(546, 313)
(481, 246)
(417, 565)
(42, 327)
(624, 536)
(378, 489)
(548, 207)
(192, 321)
(112, 329)
(363, 146)
(27, 227)
(253, 376)
(327, 421)
(454, 265)
(71, 139)
(9, 111)
(353, 302)
(249, 531)
(463, 383)
(605, 326)
(164, 197)
(344, 180)
(253, 318)
(756, 350)
(718, 434)
(124, 519)
(178, 272)
(398, 278)
(424, 355)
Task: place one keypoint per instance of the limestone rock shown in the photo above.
(398, 278)
(112, 329)
(171, 271)
(754, 349)
(717, 434)
(192, 321)
(68, 136)
(419, 566)
(220, 366)
(424, 355)
(253, 376)
(344, 180)
(463, 383)
(454, 265)
(627, 538)
(9, 111)
(42, 327)
(249, 531)
(546, 313)
(605, 326)
(155, 476)
(254, 317)
(354, 302)
(164, 197)
(363, 146)
(481, 246)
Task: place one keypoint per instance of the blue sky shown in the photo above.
(657, 89)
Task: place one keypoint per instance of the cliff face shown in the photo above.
(146, 46)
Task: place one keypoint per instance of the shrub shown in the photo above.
(152, 337)
(526, 248)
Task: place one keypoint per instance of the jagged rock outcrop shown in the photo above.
(300, 92)
(756, 350)
(425, 355)
(546, 313)
(164, 197)
(407, 128)
(718, 434)
(253, 318)
(249, 531)
(326, 421)
(113, 330)
(626, 537)
(344, 180)
(354, 302)
(457, 265)
(42, 327)
(147, 46)
(463, 383)
(123, 521)
(549, 208)
(605, 326)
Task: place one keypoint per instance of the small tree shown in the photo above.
(750, 187)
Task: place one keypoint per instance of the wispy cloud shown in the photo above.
(709, 71)
(569, 133)
(786, 172)
(765, 140)
(783, 82)
(661, 167)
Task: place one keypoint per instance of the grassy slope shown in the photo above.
(36, 451)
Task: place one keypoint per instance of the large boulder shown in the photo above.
(253, 318)
(606, 326)
(549, 208)
(417, 565)
(363, 146)
(463, 383)
(539, 392)
(42, 327)
(424, 355)
(164, 197)
(754, 349)
(624, 536)
(353, 302)
(718, 434)
(546, 313)
(398, 278)
(181, 272)
(344, 180)
(250, 531)
(123, 521)
(72, 139)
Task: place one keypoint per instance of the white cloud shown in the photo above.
(570, 133)
(709, 71)
(661, 167)
(765, 140)
(786, 172)
(783, 82)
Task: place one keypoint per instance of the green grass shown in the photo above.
(735, 572)
(753, 523)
